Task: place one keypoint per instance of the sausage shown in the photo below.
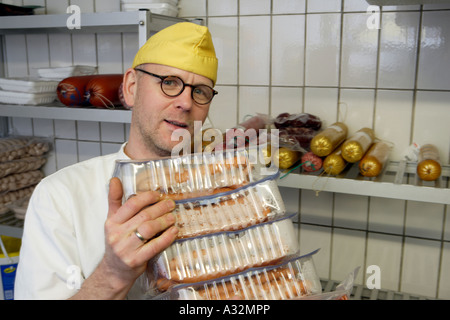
(354, 148)
(296, 138)
(103, 90)
(72, 91)
(311, 162)
(429, 166)
(334, 163)
(373, 162)
(305, 120)
(327, 140)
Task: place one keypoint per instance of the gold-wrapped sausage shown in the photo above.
(429, 166)
(326, 141)
(354, 148)
(373, 162)
(334, 163)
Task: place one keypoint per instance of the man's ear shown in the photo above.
(129, 87)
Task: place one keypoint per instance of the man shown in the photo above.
(80, 241)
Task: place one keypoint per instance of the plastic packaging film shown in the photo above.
(289, 280)
(373, 162)
(189, 176)
(229, 211)
(216, 255)
(327, 140)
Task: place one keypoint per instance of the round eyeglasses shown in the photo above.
(173, 86)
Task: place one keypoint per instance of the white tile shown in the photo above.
(359, 52)
(66, 153)
(222, 7)
(356, 5)
(22, 126)
(109, 51)
(192, 8)
(60, 50)
(398, 50)
(324, 6)
(431, 121)
(322, 102)
(38, 52)
(316, 208)
(434, 60)
(385, 251)
(87, 56)
(88, 150)
(254, 50)
(420, 266)
(316, 237)
(254, 7)
(424, 219)
(350, 211)
(348, 251)
(253, 100)
(225, 37)
(43, 127)
(393, 120)
(65, 129)
(291, 200)
(401, 8)
(356, 108)
(108, 148)
(16, 55)
(57, 6)
(85, 5)
(130, 48)
(223, 112)
(322, 49)
(288, 50)
(444, 281)
(288, 6)
(386, 215)
(447, 224)
(88, 130)
(112, 132)
(107, 5)
(286, 99)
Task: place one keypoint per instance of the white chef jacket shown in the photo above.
(63, 240)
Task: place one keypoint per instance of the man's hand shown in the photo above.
(126, 255)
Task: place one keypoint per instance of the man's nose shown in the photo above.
(184, 100)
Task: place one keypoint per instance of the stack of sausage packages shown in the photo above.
(21, 159)
(235, 238)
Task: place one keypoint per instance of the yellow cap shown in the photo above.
(185, 46)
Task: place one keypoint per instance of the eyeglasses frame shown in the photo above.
(184, 86)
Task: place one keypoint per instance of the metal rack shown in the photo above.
(398, 181)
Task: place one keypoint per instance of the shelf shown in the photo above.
(107, 22)
(60, 112)
(398, 181)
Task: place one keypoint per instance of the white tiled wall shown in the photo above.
(301, 56)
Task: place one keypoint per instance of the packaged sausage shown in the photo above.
(102, 91)
(327, 140)
(220, 254)
(334, 163)
(189, 176)
(292, 279)
(354, 148)
(230, 211)
(429, 165)
(72, 90)
(374, 161)
(311, 162)
(299, 120)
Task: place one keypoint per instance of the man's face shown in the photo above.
(156, 116)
